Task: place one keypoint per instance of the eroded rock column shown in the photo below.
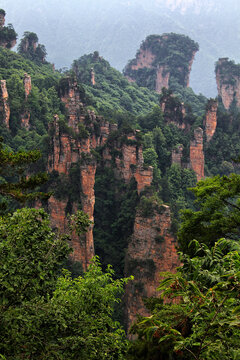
(4, 104)
(197, 154)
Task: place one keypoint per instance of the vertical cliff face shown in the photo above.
(197, 154)
(130, 164)
(210, 121)
(228, 82)
(151, 250)
(27, 82)
(157, 61)
(4, 103)
(73, 143)
(162, 79)
(25, 117)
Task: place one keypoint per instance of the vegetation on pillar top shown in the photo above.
(30, 48)
(8, 35)
(172, 51)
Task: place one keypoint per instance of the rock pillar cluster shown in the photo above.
(197, 154)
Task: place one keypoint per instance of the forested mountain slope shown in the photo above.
(122, 153)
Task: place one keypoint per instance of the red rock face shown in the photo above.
(131, 164)
(93, 82)
(27, 85)
(151, 250)
(4, 104)
(210, 121)
(162, 80)
(68, 149)
(197, 154)
(228, 84)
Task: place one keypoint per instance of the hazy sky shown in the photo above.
(72, 28)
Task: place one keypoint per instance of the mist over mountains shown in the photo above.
(116, 28)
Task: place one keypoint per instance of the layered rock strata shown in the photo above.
(151, 250)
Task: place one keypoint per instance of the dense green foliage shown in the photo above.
(44, 315)
(218, 213)
(199, 318)
(8, 36)
(114, 214)
(42, 103)
(112, 92)
(227, 70)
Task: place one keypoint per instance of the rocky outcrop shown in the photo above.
(151, 250)
(25, 117)
(162, 80)
(4, 104)
(173, 109)
(27, 85)
(197, 154)
(160, 59)
(210, 121)
(228, 82)
(93, 82)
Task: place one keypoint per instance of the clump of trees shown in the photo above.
(30, 48)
